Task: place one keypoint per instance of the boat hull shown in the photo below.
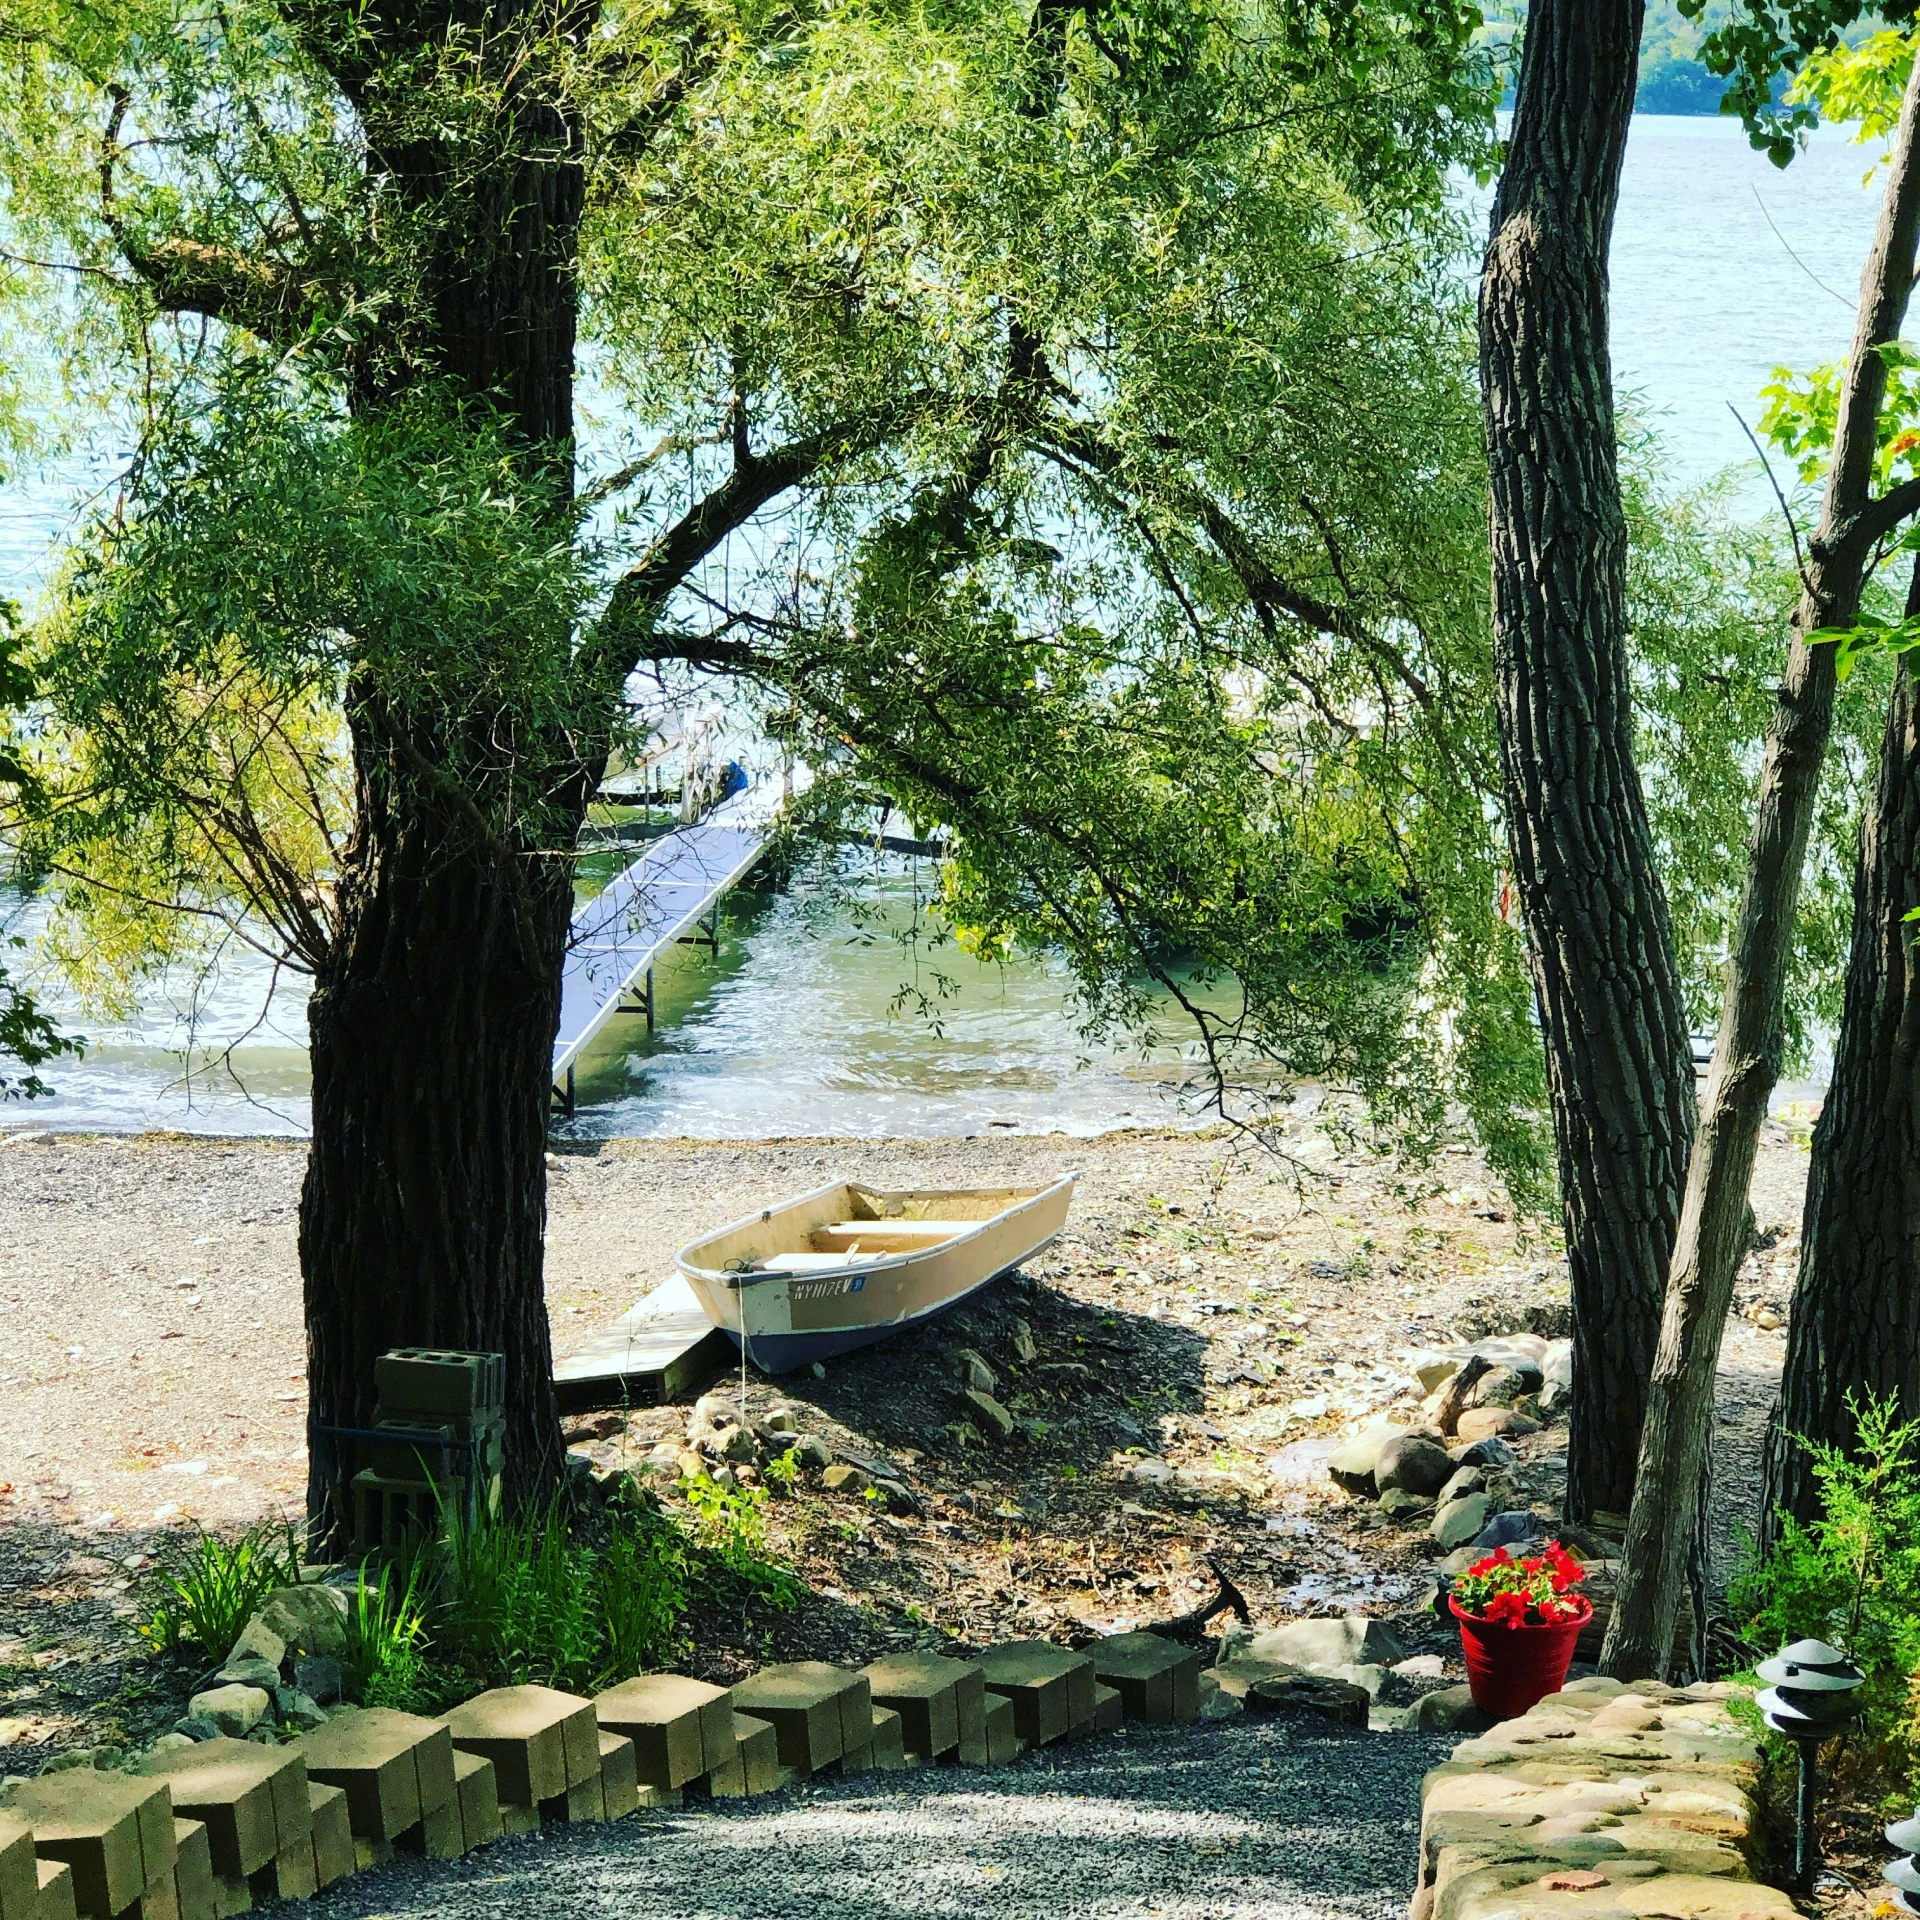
(792, 1320)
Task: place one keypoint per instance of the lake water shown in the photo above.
(1723, 268)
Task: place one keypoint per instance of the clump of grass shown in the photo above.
(207, 1588)
(731, 1524)
(387, 1641)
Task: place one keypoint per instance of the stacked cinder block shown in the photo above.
(396, 1772)
(547, 1756)
(682, 1732)
(1156, 1680)
(254, 1805)
(1050, 1692)
(112, 1833)
(441, 1421)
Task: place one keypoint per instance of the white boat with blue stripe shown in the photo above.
(846, 1265)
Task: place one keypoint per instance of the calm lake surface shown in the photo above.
(1723, 269)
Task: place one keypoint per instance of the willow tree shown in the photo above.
(1077, 389)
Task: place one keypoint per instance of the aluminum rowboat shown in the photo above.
(847, 1265)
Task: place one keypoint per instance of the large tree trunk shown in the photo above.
(1618, 1059)
(1855, 1328)
(432, 1021)
(1746, 1060)
(425, 1199)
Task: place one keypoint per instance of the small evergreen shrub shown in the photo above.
(1852, 1578)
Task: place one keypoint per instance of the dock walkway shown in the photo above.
(659, 900)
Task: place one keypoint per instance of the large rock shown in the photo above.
(234, 1710)
(1479, 1423)
(1556, 1370)
(1460, 1522)
(311, 1618)
(1433, 1369)
(1398, 1504)
(1324, 1646)
(1466, 1480)
(1491, 1451)
(1414, 1462)
(1351, 1466)
(989, 1412)
(1449, 1710)
(1337, 1700)
(1235, 1677)
(1500, 1387)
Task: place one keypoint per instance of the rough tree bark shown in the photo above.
(1855, 1327)
(1605, 975)
(1676, 1439)
(433, 1016)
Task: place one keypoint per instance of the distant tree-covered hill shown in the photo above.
(1672, 80)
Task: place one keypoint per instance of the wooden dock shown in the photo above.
(662, 1350)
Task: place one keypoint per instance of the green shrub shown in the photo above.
(1852, 1577)
(731, 1524)
(517, 1600)
(206, 1589)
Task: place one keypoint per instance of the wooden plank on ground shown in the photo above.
(661, 1350)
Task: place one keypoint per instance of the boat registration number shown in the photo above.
(828, 1289)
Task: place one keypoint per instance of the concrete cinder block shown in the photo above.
(159, 1900)
(1107, 1710)
(19, 1878)
(889, 1744)
(55, 1890)
(115, 1831)
(755, 1767)
(192, 1870)
(332, 1836)
(478, 1793)
(390, 1765)
(1158, 1680)
(440, 1834)
(424, 1380)
(680, 1728)
(802, 1701)
(231, 1895)
(1051, 1687)
(923, 1689)
(289, 1875)
(516, 1819)
(541, 1741)
(242, 1793)
(1003, 1741)
(619, 1776)
(583, 1804)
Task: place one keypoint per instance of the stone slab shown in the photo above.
(680, 1728)
(541, 1741)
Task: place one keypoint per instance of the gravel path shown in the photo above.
(1256, 1819)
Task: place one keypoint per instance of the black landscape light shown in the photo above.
(1809, 1698)
(1904, 1875)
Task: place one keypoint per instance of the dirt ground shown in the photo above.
(1209, 1307)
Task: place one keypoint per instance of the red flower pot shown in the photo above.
(1513, 1668)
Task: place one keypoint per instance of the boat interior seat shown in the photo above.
(922, 1230)
(814, 1262)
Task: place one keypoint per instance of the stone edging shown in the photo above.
(1604, 1801)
